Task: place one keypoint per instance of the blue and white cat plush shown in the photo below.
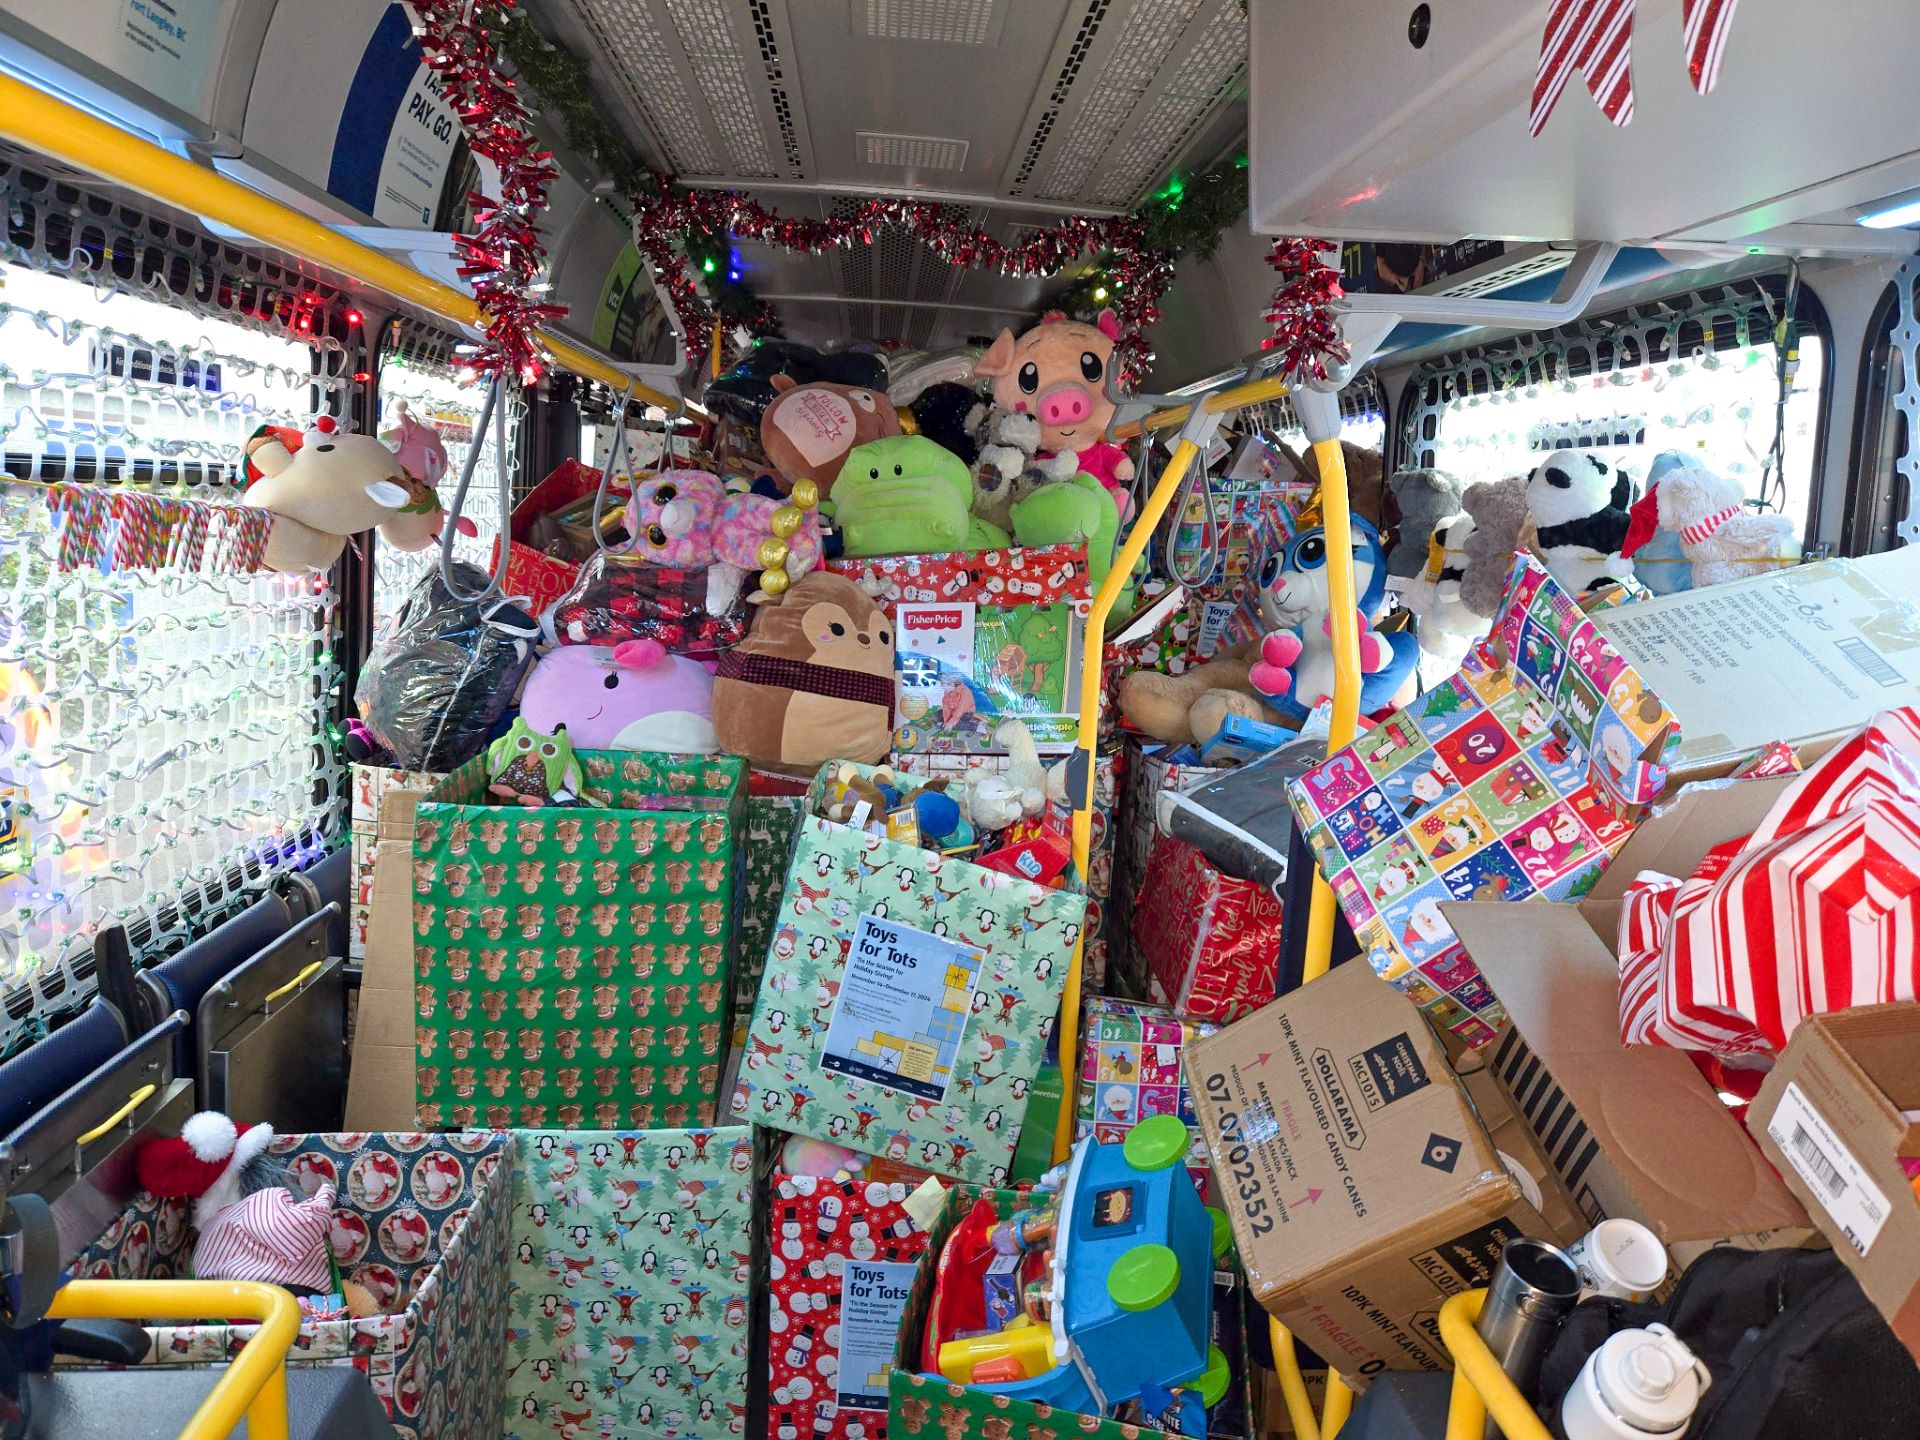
(1295, 669)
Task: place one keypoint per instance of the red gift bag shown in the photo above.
(1211, 942)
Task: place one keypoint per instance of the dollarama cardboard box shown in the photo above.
(907, 1001)
(572, 962)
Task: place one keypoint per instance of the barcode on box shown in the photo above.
(1823, 1169)
(1869, 662)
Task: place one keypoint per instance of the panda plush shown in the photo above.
(1579, 502)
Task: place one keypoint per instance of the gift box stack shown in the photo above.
(371, 784)
(1130, 1070)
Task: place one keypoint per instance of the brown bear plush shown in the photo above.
(812, 682)
(1189, 708)
(808, 429)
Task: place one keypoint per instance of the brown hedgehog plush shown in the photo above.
(812, 682)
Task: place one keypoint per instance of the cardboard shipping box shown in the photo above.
(1362, 1189)
(1804, 655)
(1630, 1131)
(380, 1084)
(1836, 1118)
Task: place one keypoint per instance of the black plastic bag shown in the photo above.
(444, 672)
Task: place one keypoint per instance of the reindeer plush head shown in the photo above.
(321, 486)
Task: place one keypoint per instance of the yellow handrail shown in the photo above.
(1479, 1384)
(31, 117)
(1336, 518)
(255, 1383)
(1185, 454)
(133, 1103)
(1221, 402)
(293, 984)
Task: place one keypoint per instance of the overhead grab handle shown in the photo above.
(1579, 283)
(492, 408)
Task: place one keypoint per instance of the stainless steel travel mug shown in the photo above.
(1534, 1286)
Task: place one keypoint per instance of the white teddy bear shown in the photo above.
(1717, 533)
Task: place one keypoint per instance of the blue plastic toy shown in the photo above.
(1128, 1301)
(1295, 669)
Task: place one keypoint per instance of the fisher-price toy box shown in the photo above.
(572, 962)
(980, 638)
(1517, 779)
(907, 1000)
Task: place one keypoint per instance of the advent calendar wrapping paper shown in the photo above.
(571, 961)
(981, 637)
(921, 1043)
(420, 1220)
(1517, 779)
(842, 1257)
(1817, 910)
(1211, 941)
(627, 1312)
(1130, 1071)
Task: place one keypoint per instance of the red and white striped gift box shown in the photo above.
(1818, 910)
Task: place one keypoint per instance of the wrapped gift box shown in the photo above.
(1211, 942)
(1516, 779)
(1130, 1070)
(372, 784)
(907, 1000)
(980, 638)
(1145, 772)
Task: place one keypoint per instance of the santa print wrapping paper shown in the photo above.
(1130, 1071)
(1817, 910)
(979, 638)
(629, 1263)
(571, 963)
(1212, 942)
(842, 1257)
(770, 821)
(420, 1220)
(907, 1001)
(1516, 779)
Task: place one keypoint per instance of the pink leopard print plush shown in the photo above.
(686, 518)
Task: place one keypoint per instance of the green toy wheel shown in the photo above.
(1212, 1382)
(1156, 1143)
(1146, 1276)
(1222, 1231)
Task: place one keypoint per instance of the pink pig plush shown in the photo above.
(632, 696)
(1057, 372)
(687, 518)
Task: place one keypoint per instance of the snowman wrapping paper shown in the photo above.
(1517, 779)
(841, 1260)
(907, 1001)
(628, 1269)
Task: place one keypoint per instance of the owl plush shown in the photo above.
(527, 767)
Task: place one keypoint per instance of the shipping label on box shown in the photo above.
(1514, 780)
(631, 1256)
(980, 638)
(907, 1000)
(842, 1259)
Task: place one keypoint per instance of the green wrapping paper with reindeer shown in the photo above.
(907, 1000)
(630, 1258)
(572, 963)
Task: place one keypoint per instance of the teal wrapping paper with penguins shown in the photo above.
(907, 1001)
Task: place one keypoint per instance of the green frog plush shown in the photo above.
(1074, 512)
(905, 495)
(528, 767)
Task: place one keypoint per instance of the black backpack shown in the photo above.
(1796, 1350)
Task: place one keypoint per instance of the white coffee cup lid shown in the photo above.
(1649, 1378)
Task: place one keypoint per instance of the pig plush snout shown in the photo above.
(1065, 405)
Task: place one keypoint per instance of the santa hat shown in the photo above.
(285, 435)
(203, 1162)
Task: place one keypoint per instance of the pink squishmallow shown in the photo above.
(632, 696)
(688, 519)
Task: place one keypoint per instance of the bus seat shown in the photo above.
(178, 983)
(288, 999)
(328, 881)
(49, 1068)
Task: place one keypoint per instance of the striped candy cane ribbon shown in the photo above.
(1707, 23)
(1594, 37)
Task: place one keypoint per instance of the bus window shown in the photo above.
(419, 368)
(1363, 417)
(1702, 374)
(163, 734)
(1887, 461)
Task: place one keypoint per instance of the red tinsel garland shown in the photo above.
(1301, 310)
(503, 257)
(1140, 275)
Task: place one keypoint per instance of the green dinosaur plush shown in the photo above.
(1073, 512)
(905, 495)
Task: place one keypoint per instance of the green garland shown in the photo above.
(1189, 215)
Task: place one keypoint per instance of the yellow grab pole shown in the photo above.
(46, 124)
(255, 1382)
(1293, 1385)
(1479, 1384)
(1337, 1406)
(1336, 519)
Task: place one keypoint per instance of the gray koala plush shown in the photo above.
(1425, 498)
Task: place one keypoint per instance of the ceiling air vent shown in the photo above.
(913, 152)
(949, 22)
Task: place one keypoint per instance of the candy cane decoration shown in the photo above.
(1594, 37)
(1707, 24)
